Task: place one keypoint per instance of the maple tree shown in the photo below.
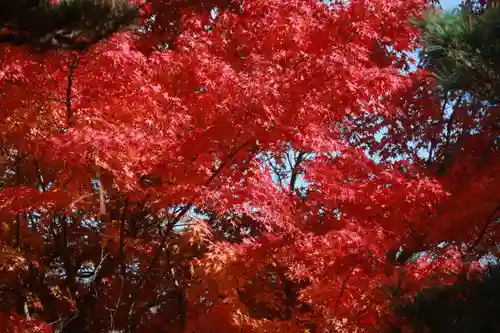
(238, 166)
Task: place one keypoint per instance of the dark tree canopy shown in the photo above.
(462, 47)
(469, 305)
(77, 24)
(65, 24)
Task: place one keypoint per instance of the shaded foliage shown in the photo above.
(72, 24)
(469, 305)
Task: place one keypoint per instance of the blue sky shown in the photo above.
(449, 3)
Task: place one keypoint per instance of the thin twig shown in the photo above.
(122, 237)
(18, 216)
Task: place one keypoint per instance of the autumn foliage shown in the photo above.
(268, 166)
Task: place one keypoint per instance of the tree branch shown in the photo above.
(18, 216)
(131, 319)
(66, 256)
(485, 228)
(122, 237)
(433, 140)
(39, 176)
(341, 293)
(69, 89)
(295, 170)
(449, 123)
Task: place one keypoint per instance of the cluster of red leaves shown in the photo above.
(137, 193)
